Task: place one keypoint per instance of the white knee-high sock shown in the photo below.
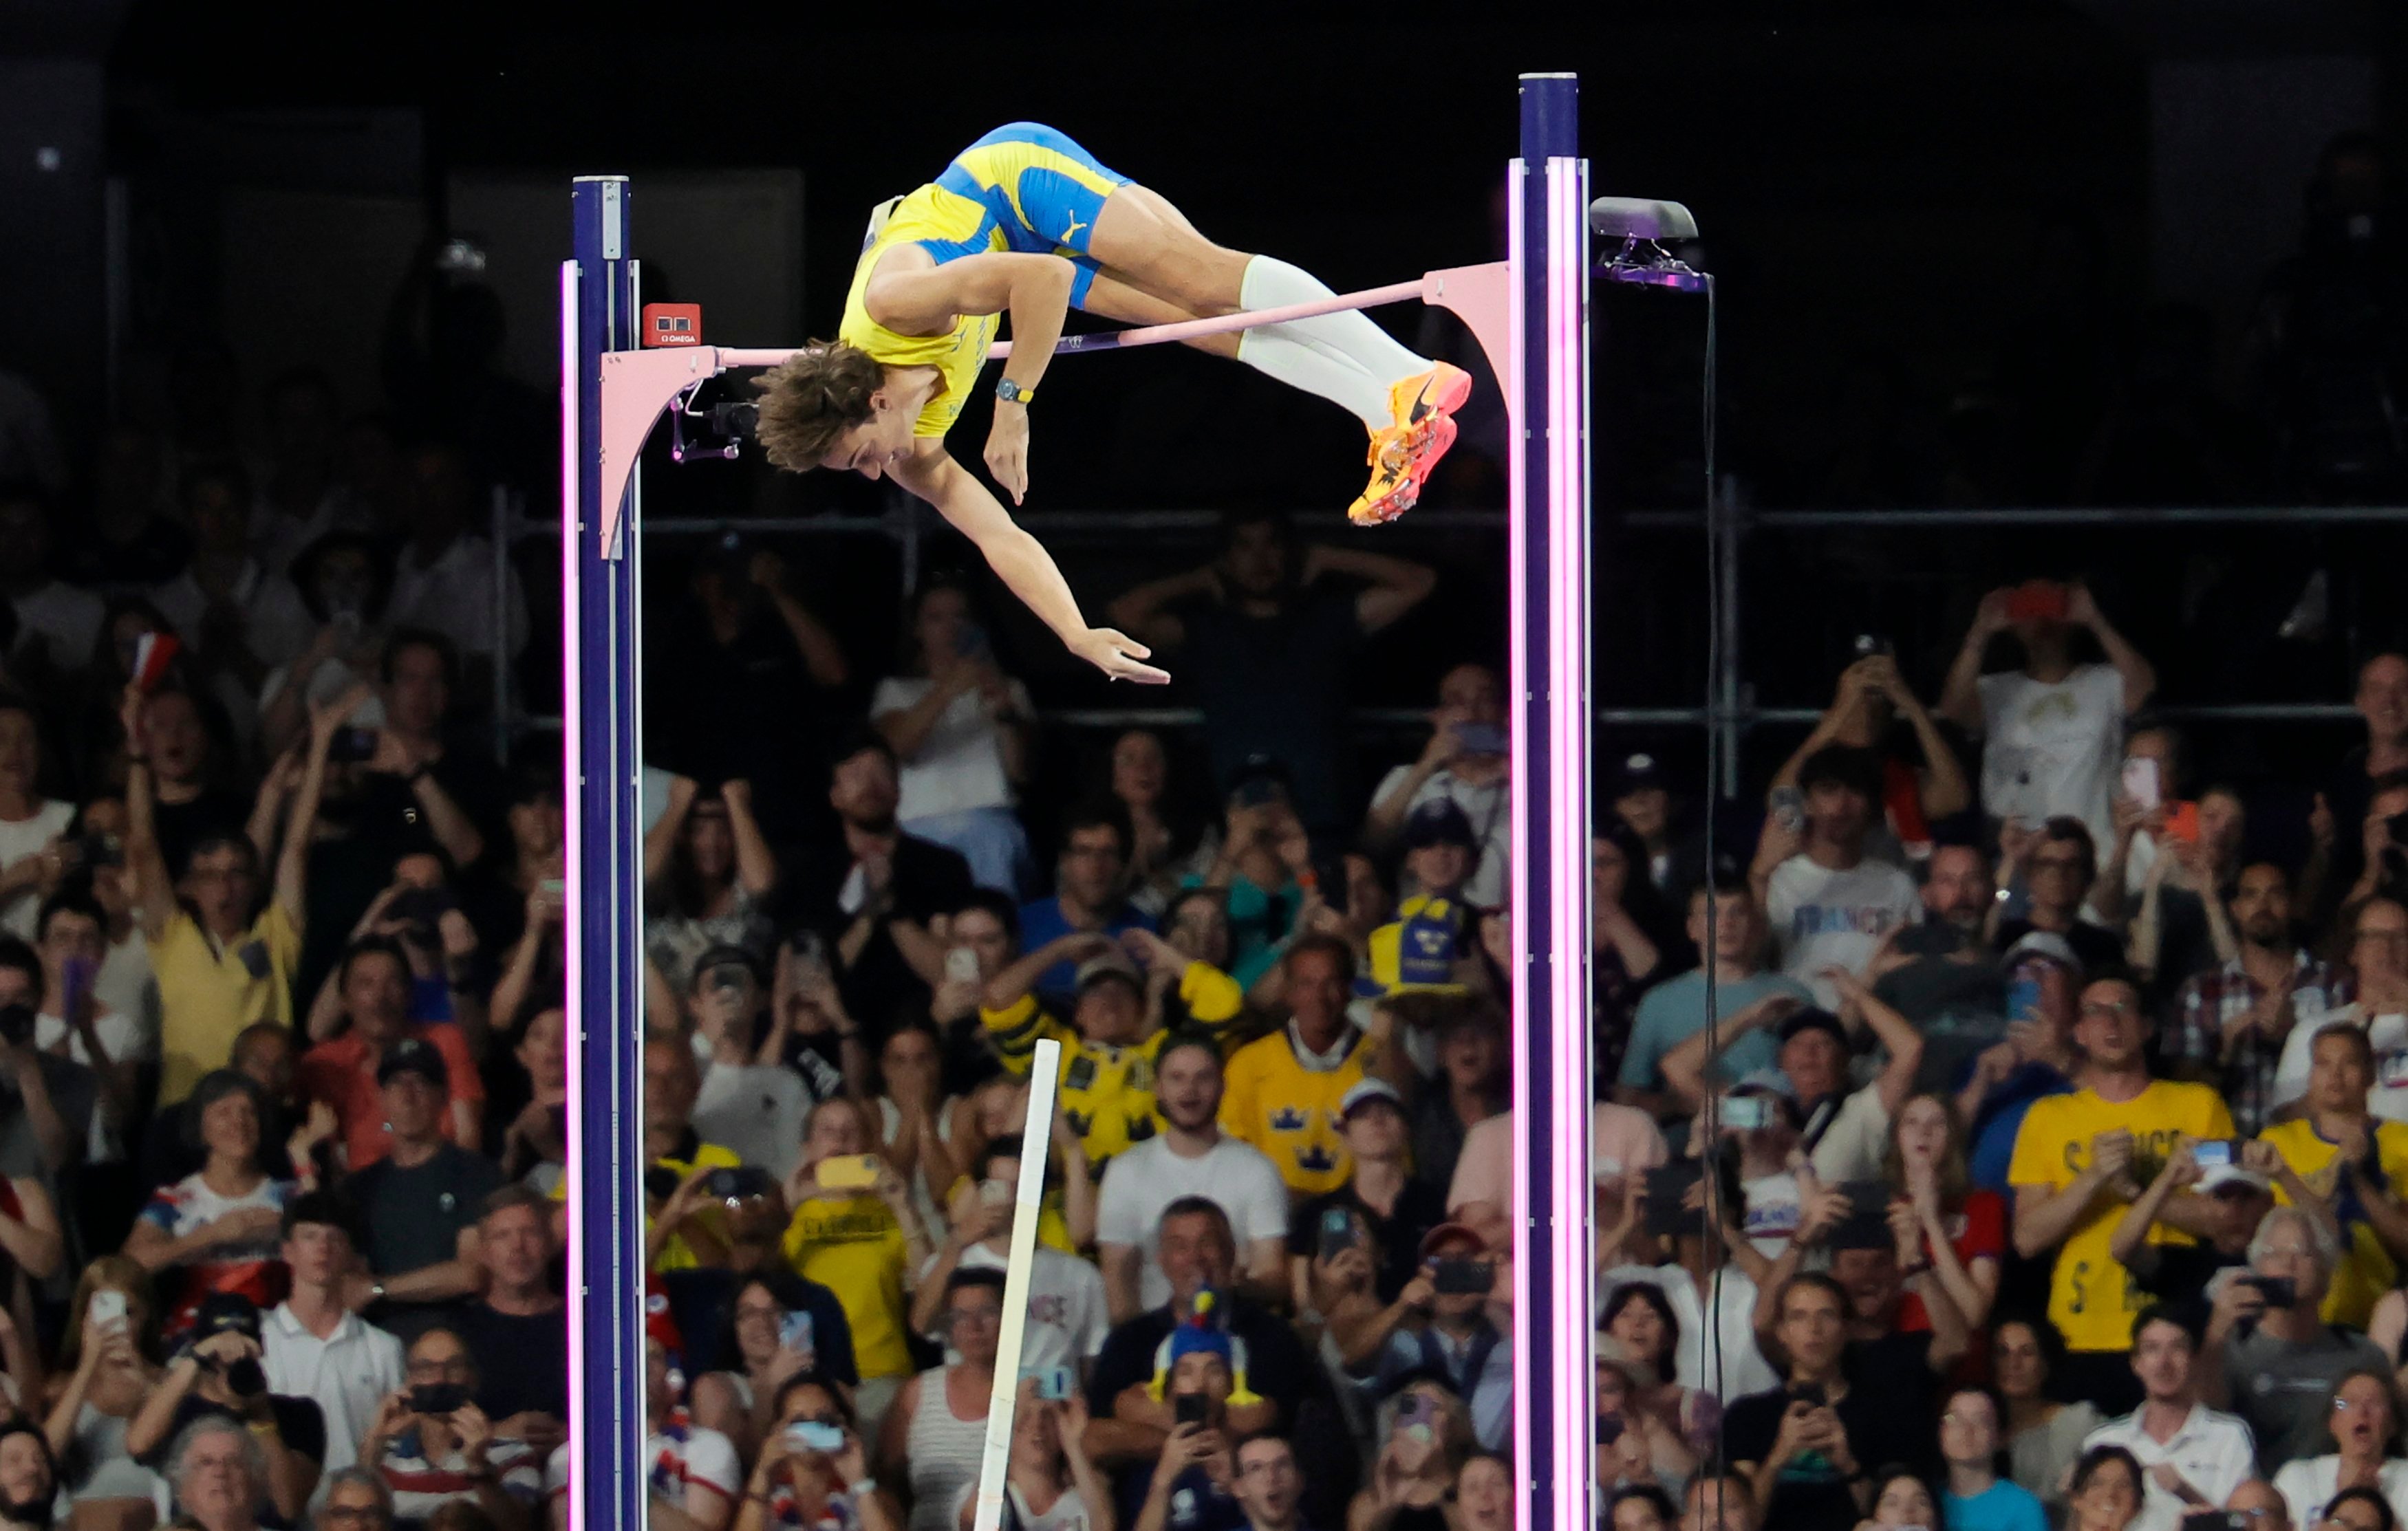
(1273, 283)
(1274, 352)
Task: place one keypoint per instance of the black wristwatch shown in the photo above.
(1011, 392)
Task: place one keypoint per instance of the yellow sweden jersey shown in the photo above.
(2367, 1270)
(1107, 1091)
(1290, 1111)
(2090, 1298)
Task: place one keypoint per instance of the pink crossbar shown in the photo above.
(1160, 334)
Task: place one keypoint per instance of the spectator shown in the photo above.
(2059, 863)
(1829, 905)
(2357, 1160)
(2364, 1417)
(1629, 940)
(1941, 973)
(1470, 1087)
(219, 1374)
(33, 854)
(1270, 1487)
(57, 624)
(190, 803)
(1188, 963)
(1284, 1092)
(1713, 1303)
(2038, 1057)
(1635, 1507)
(2276, 1361)
(2257, 1499)
(1638, 1320)
(1635, 788)
(962, 730)
(2184, 925)
(1805, 1445)
(217, 1228)
(882, 888)
(2073, 1167)
(782, 1330)
(1675, 1011)
(29, 1477)
(419, 1202)
(237, 619)
(432, 1444)
(313, 1346)
(911, 1108)
(1445, 1327)
(1264, 863)
(357, 1497)
(1067, 1314)
(983, 938)
(1465, 763)
(1962, 1228)
(443, 578)
(708, 874)
(2196, 1456)
(2376, 937)
(105, 1368)
(1972, 1441)
(2044, 1433)
(1089, 880)
(420, 788)
(2230, 1202)
(2235, 1025)
(219, 1474)
(2360, 1508)
(1269, 646)
(1192, 1158)
(72, 937)
(1876, 711)
(348, 1071)
(1194, 1485)
(1131, 1419)
(1424, 1438)
(1844, 1129)
(1105, 1094)
(2051, 731)
(2339, 859)
(225, 956)
(535, 1145)
(128, 541)
(862, 1241)
(799, 1484)
(688, 1227)
(748, 1101)
(937, 1430)
(519, 1316)
(811, 1029)
(1396, 1211)
(44, 1139)
(1170, 847)
(1722, 1501)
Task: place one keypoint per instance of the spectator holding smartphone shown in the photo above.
(1193, 1484)
(1395, 1212)
(1444, 1324)
(1424, 1439)
(1067, 1317)
(813, 1473)
(2235, 1024)
(432, 1444)
(780, 1329)
(1465, 763)
(519, 1316)
(2268, 1356)
(856, 1232)
(1807, 1446)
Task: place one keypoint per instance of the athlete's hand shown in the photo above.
(1007, 449)
(1117, 654)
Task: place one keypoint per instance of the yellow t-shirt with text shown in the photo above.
(2091, 1298)
(854, 1246)
(2367, 1270)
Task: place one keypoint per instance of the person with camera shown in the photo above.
(1067, 1317)
(2227, 1201)
(1711, 1285)
(1464, 763)
(1448, 1327)
(1876, 711)
(220, 1371)
(2268, 1356)
(748, 1100)
(1194, 1483)
(2051, 728)
(780, 1328)
(432, 1444)
(2192, 1457)
(1809, 1446)
(1424, 1439)
(813, 1472)
(1362, 1240)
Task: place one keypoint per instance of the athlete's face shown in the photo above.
(874, 447)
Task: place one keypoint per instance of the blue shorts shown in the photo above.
(1043, 190)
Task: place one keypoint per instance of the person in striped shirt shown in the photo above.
(431, 1443)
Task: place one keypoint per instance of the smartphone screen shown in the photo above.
(2141, 783)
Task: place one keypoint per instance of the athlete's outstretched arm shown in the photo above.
(1034, 289)
(1021, 560)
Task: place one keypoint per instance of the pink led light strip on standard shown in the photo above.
(1517, 501)
(1571, 1320)
(571, 419)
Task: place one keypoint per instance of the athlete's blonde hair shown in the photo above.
(810, 399)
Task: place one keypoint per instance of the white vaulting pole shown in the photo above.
(1035, 1138)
